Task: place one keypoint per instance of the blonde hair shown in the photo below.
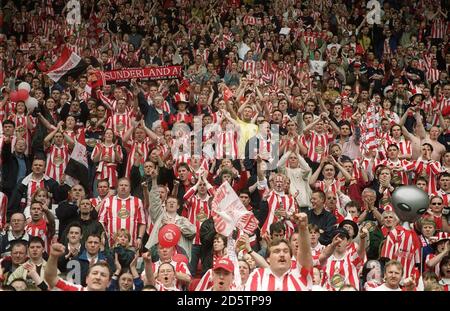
(120, 233)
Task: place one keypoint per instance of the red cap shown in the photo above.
(224, 263)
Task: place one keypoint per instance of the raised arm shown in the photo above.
(148, 268)
(315, 175)
(304, 256)
(51, 269)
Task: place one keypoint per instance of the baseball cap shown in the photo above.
(341, 232)
(224, 263)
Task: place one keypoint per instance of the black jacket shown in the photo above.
(10, 169)
(19, 197)
(207, 233)
(67, 212)
(326, 222)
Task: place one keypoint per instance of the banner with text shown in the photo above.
(230, 213)
(151, 73)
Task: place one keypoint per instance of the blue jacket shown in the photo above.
(84, 263)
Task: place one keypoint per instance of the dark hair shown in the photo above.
(307, 113)
(429, 145)
(390, 130)
(392, 145)
(36, 239)
(420, 178)
(40, 157)
(19, 280)
(165, 263)
(75, 224)
(276, 227)
(444, 174)
(8, 122)
(321, 193)
(183, 164)
(19, 243)
(245, 191)
(222, 237)
(313, 227)
(444, 262)
(95, 235)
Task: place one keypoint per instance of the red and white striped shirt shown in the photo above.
(403, 165)
(402, 245)
(197, 210)
(277, 201)
(429, 169)
(404, 146)
(120, 213)
(32, 187)
(439, 28)
(57, 159)
(3, 207)
(65, 286)
(249, 66)
(107, 170)
(432, 74)
(263, 279)
(317, 147)
(347, 267)
(441, 104)
(39, 229)
(120, 123)
(227, 145)
(143, 148)
(180, 267)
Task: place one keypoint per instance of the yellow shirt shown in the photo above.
(248, 130)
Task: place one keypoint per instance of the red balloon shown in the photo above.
(169, 235)
(14, 96)
(23, 95)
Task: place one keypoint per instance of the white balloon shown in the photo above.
(31, 103)
(24, 86)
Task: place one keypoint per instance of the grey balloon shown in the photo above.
(409, 203)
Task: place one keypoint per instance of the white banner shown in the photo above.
(229, 212)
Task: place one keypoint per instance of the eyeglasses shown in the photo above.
(436, 203)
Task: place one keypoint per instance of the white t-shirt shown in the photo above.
(384, 288)
(317, 66)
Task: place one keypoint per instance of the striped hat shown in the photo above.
(180, 98)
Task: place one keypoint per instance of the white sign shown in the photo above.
(243, 50)
(285, 31)
(229, 212)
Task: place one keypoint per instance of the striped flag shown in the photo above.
(368, 135)
(77, 167)
(68, 64)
